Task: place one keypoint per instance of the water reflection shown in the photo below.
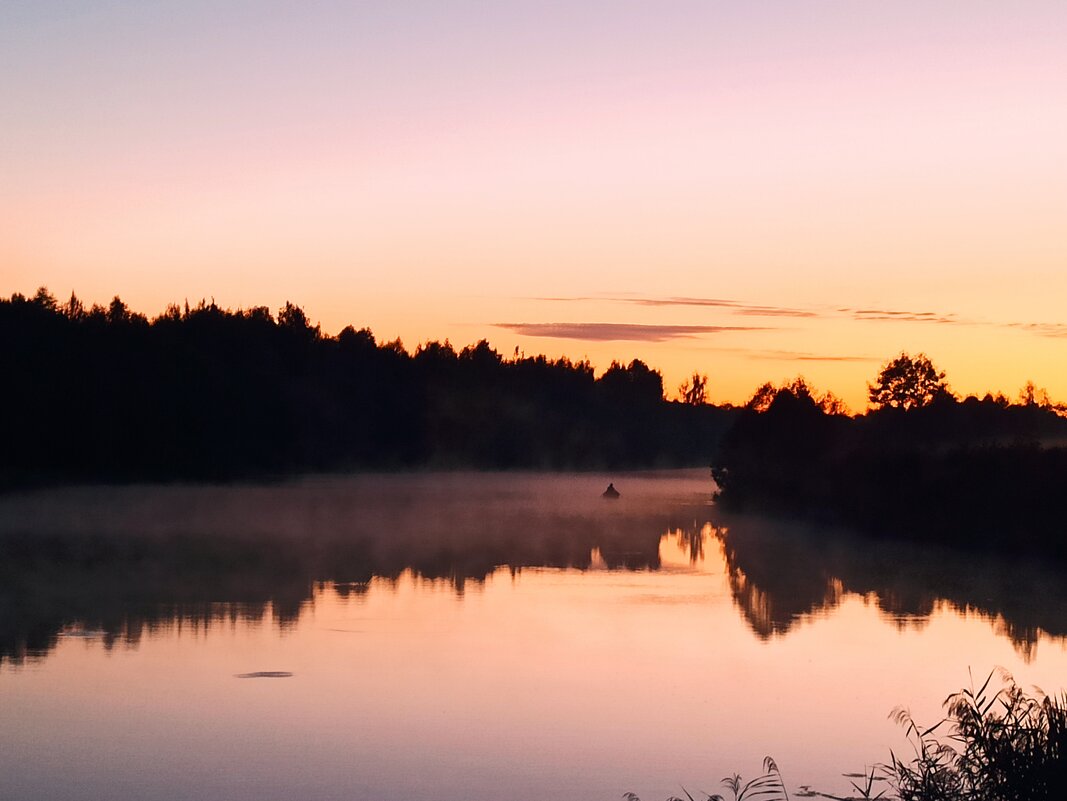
(114, 565)
(126, 561)
(782, 574)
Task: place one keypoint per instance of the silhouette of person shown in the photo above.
(610, 492)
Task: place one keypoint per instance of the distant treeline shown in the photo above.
(206, 393)
(923, 464)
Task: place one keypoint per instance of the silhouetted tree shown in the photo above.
(907, 382)
(363, 339)
(1000, 399)
(293, 318)
(45, 300)
(481, 356)
(1033, 396)
(762, 398)
(831, 404)
(798, 389)
(694, 390)
(636, 383)
(74, 308)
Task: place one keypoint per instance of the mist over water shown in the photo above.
(465, 635)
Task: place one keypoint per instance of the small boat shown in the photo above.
(610, 492)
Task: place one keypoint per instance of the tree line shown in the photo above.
(206, 393)
(921, 464)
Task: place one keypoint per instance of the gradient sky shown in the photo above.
(750, 189)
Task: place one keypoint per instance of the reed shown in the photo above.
(770, 786)
(995, 743)
(992, 745)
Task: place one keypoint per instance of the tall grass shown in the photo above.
(1002, 745)
(768, 787)
(992, 745)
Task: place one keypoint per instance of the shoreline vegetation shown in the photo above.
(205, 394)
(201, 393)
(921, 465)
(992, 745)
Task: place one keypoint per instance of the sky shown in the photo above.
(752, 190)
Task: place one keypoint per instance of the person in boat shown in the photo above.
(610, 492)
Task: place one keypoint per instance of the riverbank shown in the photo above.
(970, 474)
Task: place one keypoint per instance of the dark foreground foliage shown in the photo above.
(105, 394)
(973, 473)
(770, 785)
(1002, 745)
(992, 746)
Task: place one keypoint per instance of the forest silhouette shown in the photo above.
(205, 393)
(209, 394)
(921, 465)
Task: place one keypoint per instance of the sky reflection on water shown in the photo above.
(457, 637)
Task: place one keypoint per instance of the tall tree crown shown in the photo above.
(907, 382)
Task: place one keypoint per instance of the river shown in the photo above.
(468, 636)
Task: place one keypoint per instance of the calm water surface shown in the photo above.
(472, 636)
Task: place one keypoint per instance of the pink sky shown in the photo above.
(438, 170)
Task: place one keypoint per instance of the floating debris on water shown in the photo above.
(265, 674)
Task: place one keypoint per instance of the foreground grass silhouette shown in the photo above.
(1002, 745)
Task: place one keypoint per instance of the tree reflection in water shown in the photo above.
(117, 565)
(129, 561)
(781, 573)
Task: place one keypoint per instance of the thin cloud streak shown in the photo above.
(608, 332)
(814, 357)
(1053, 330)
(733, 306)
(772, 311)
(716, 302)
(865, 315)
(795, 356)
(885, 315)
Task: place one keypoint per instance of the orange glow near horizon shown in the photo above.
(428, 173)
(979, 355)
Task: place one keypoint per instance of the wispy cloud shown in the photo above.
(795, 356)
(774, 311)
(1054, 330)
(607, 332)
(866, 315)
(761, 310)
(815, 357)
(733, 306)
(889, 315)
(717, 302)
